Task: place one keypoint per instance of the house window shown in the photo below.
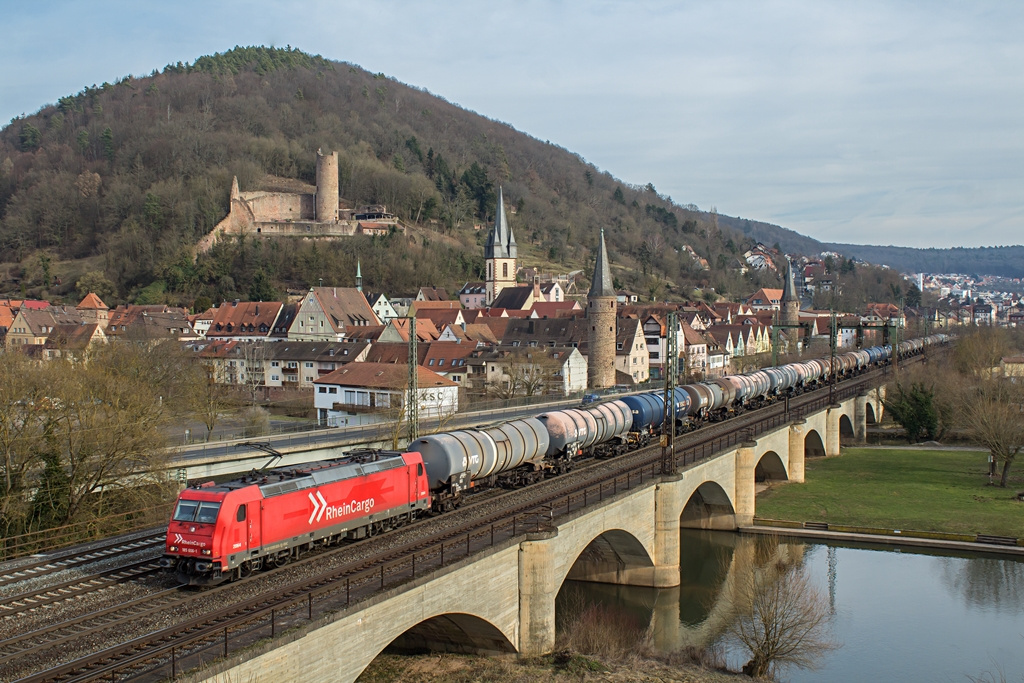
(504, 270)
(332, 390)
(309, 364)
(322, 390)
(440, 362)
(430, 362)
(275, 378)
(275, 364)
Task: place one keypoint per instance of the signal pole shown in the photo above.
(668, 424)
(832, 357)
(412, 402)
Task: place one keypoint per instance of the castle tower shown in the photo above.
(326, 187)
(790, 304)
(500, 254)
(601, 306)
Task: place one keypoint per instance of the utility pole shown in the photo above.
(832, 357)
(668, 425)
(412, 400)
(895, 346)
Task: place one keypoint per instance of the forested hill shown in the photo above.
(112, 188)
(1002, 261)
(121, 180)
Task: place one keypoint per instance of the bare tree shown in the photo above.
(992, 414)
(529, 373)
(782, 620)
(99, 434)
(207, 398)
(990, 407)
(254, 357)
(22, 393)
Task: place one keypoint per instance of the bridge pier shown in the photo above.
(796, 450)
(537, 591)
(832, 415)
(745, 493)
(668, 502)
(860, 418)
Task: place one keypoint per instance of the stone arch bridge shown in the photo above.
(503, 600)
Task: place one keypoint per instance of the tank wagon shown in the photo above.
(223, 531)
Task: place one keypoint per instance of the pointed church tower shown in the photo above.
(359, 275)
(601, 307)
(790, 304)
(500, 254)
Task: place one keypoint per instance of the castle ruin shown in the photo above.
(316, 213)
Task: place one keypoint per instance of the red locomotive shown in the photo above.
(224, 531)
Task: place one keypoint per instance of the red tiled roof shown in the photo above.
(383, 376)
(556, 309)
(245, 319)
(434, 304)
(92, 302)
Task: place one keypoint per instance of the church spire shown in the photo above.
(501, 243)
(790, 304)
(602, 282)
(789, 293)
(359, 275)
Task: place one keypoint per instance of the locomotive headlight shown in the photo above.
(207, 552)
(173, 548)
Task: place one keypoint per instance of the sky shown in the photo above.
(861, 122)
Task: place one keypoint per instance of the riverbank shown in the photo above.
(928, 490)
(558, 668)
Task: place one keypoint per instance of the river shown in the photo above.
(898, 614)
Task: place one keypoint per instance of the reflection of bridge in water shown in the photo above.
(503, 599)
(715, 570)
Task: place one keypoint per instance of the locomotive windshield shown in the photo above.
(196, 511)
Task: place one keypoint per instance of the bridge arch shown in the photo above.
(709, 507)
(846, 430)
(452, 632)
(771, 466)
(608, 558)
(869, 413)
(814, 447)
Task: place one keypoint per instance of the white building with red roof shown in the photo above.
(362, 393)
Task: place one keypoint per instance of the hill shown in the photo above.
(113, 187)
(1007, 261)
(121, 180)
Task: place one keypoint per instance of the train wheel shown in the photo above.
(244, 570)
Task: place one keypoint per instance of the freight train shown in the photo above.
(220, 532)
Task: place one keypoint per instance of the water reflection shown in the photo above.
(901, 614)
(987, 583)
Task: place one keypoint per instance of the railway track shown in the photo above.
(192, 641)
(78, 557)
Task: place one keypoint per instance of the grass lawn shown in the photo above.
(908, 489)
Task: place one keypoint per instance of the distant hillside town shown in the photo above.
(518, 333)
